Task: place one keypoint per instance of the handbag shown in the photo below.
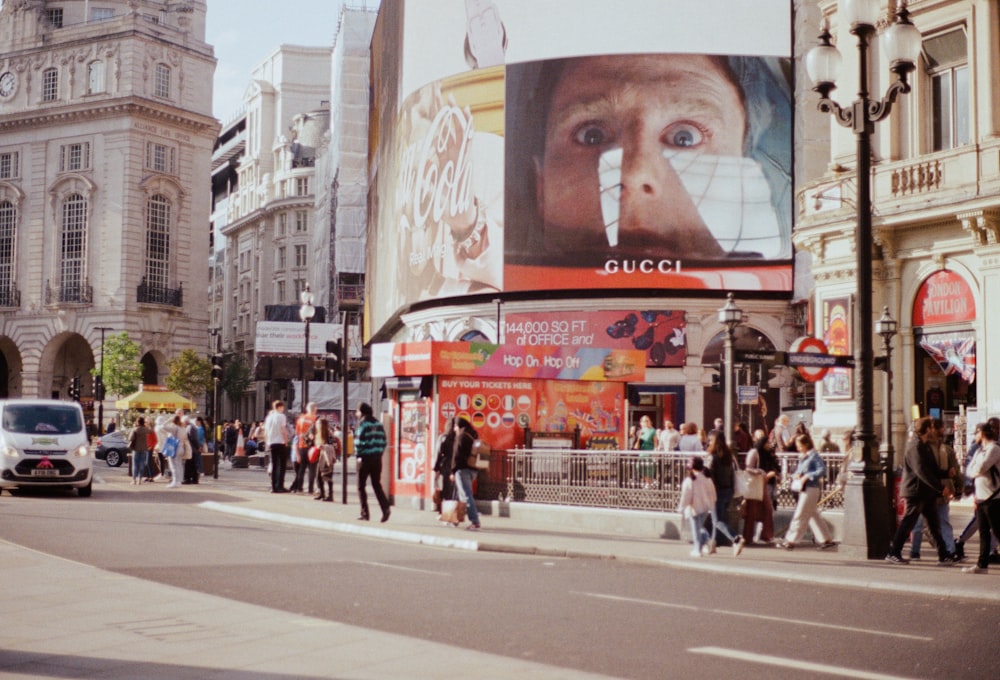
(798, 485)
(750, 487)
(313, 454)
(170, 446)
(452, 511)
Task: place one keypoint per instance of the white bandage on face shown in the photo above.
(609, 173)
(731, 195)
(733, 198)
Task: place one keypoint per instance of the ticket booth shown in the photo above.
(504, 391)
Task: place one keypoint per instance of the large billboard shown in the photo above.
(530, 145)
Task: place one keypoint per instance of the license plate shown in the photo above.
(45, 472)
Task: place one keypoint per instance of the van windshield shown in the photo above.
(37, 419)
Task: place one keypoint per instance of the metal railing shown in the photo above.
(616, 479)
(68, 292)
(10, 296)
(159, 295)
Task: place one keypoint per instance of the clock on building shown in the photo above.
(7, 83)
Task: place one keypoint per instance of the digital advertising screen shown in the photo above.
(536, 145)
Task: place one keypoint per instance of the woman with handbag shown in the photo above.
(444, 488)
(806, 480)
(722, 468)
(762, 466)
(462, 472)
(697, 501)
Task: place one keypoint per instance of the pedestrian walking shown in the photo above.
(138, 441)
(810, 472)
(921, 488)
(463, 472)
(276, 440)
(761, 462)
(985, 473)
(722, 467)
(304, 439)
(951, 477)
(369, 445)
(697, 501)
(328, 454)
(444, 487)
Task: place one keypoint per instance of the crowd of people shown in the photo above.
(931, 478)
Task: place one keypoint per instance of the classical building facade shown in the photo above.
(289, 186)
(936, 220)
(105, 135)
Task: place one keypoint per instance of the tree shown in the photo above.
(236, 376)
(122, 370)
(190, 374)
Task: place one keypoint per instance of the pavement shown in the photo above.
(150, 630)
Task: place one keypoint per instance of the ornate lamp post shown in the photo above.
(866, 520)
(306, 312)
(886, 327)
(730, 316)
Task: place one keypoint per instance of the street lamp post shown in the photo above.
(99, 392)
(886, 328)
(306, 312)
(866, 522)
(730, 316)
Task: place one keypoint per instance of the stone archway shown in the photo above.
(150, 369)
(67, 356)
(11, 369)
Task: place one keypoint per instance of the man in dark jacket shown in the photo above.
(369, 444)
(922, 486)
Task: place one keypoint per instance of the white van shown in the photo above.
(43, 442)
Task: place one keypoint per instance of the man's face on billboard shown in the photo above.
(659, 111)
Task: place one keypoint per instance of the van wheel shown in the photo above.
(85, 491)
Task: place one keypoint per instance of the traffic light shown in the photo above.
(335, 362)
(74, 388)
(98, 388)
(217, 366)
(719, 379)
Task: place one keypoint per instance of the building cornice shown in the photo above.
(117, 108)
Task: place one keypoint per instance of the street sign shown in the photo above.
(747, 394)
(813, 360)
(757, 357)
(804, 349)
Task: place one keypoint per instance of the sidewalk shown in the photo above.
(631, 536)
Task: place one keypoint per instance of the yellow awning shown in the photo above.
(155, 398)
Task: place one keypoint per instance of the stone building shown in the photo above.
(936, 218)
(105, 133)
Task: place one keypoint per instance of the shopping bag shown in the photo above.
(749, 486)
(452, 511)
(170, 446)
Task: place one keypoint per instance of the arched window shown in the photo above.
(161, 83)
(158, 242)
(73, 256)
(95, 77)
(8, 234)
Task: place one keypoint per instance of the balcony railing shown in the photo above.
(159, 295)
(10, 296)
(616, 479)
(78, 292)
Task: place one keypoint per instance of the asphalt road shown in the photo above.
(602, 616)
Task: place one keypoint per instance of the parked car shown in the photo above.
(112, 447)
(43, 442)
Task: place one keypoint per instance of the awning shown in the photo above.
(155, 398)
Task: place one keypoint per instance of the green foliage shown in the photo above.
(237, 377)
(190, 374)
(122, 370)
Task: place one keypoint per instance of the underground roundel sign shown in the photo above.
(810, 345)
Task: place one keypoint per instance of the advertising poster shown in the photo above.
(501, 409)
(536, 145)
(658, 333)
(414, 455)
(837, 383)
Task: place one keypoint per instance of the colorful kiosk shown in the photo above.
(507, 392)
